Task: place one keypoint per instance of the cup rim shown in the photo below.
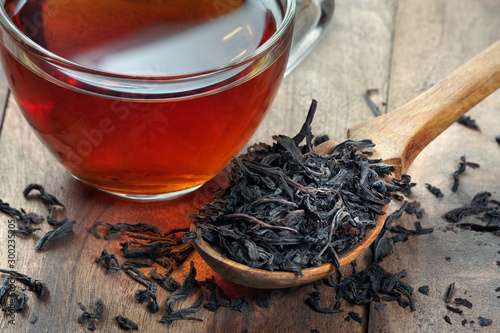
(32, 47)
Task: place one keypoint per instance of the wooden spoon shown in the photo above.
(399, 137)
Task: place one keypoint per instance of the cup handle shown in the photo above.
(311, 19)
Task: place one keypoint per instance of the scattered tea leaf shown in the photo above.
(110, 261)
(434, 190)
(449, 293)
(453, 309)
(123, 227)
(355, 316)
(12, 298)
(467, 121)
(484, 321)
(91, 316)
(424, 290)
(478, 205)
(463, 301)
(37, 286)
(461, 169)
(46, 198)
(61, 231)
(313, 302)
(366, 286)
(126, 324)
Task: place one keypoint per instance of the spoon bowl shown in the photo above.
(399, 137)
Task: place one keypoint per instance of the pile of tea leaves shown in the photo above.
(288, 208)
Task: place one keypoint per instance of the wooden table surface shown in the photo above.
(400, 48)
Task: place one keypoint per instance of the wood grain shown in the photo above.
(403, 133)
(432, 38)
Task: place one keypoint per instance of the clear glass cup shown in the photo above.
(150, 134)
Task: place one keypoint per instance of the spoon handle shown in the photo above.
(402, 134)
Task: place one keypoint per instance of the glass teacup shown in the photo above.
(145, 101)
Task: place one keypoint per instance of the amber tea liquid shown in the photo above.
(131, 141)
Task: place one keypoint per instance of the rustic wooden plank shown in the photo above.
(433, 38)
(354, 56)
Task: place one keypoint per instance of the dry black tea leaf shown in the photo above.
(166, 282)
(52, 221)
(498, 139)
(287, 208)
(25, 230)
(46, 198)
(404, 184)
(170, 319)
(33, 319)
(418, 230)
(483, 322)
(367, 286)
(449, 293)
(413, 208)
(384, 245)
(434, 190)
(400, 238)
(126, 324)
(424, 290)
(37, 286)
(110, 261)
(453, 309)
(61, 231)
(23, 219)
(313, 302)
(181, 293)
(461, 169)
(478, 205)
(143, 295)
(238, 304)
(12, 298)
(355, 316)
(467, 121)
(180, 314)
(139, 276)
(463, 302)
(119, 228)
(217, 296)
(91, 326)
(91, 316)
(447, 319)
